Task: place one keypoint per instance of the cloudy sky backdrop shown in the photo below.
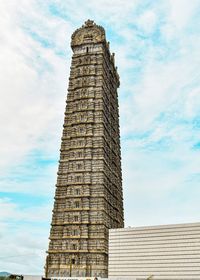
(157, 47)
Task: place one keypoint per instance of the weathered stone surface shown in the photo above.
(88, 198)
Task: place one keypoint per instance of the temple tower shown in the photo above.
(88, 198)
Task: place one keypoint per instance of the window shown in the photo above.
(69, 178)
(84, 81)
(84, 105)
(81, 130)
(83, 118)
(84, 93)
(75, 232)
(78, 179)
(77, 205)
(76, 218)
(79, 166)
(76, 95)
(78, 191)
(71, 154)
(78, 71)
(70, 166)
(80, 142)
(87, 59)
(79, 154)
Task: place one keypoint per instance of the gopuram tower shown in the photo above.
(88, 197)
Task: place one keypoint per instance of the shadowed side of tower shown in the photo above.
(88, 198)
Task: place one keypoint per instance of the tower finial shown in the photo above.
(90, 32)
(89, 23)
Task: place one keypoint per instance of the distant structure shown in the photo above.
(88, 198)
(169, 252)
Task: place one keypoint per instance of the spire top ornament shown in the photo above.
(90, 32)
(89, 23)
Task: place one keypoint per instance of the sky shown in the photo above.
(157, 51)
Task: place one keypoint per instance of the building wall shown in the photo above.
(166, 252)
(32, 277)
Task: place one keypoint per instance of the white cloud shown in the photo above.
(33, 83)
(181, 12)
(165, 86)
(147, 21)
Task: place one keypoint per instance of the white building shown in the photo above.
(163, 252)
